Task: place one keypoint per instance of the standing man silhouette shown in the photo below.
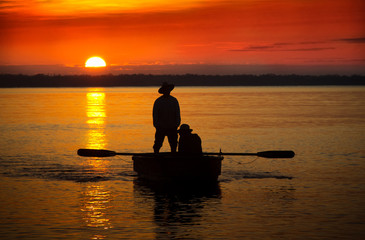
(166, 118)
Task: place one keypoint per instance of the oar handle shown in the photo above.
(265, 154)
(276, 154)
(230, 154)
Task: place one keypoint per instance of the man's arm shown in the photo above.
(178, 117)
(154, 114)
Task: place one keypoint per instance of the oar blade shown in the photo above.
(95, 153)
(276, 154)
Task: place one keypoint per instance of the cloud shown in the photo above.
(7, 5)
(284, 47)
(91, 7)
(297, 47)
(310, 49)
(351, 40)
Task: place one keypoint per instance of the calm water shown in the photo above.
(48, 192)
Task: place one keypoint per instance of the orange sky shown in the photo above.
(157, 32)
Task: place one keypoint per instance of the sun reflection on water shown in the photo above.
(96, 200)
(96, 115)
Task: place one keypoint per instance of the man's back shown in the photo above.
(190, 144)
(166, 112)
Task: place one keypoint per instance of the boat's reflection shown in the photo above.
(179, 189)
(177, 207)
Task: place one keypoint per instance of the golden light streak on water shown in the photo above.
(96, 201)
(96, 197)
(96, 115)
(95, 111)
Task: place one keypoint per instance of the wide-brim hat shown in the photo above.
(166, 87)
(184, 128)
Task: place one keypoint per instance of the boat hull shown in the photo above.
(176, 167)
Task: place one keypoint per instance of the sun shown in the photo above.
(95, 62)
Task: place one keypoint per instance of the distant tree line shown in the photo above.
(41, 80)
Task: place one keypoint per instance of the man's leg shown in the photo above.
(159, 137)
(172, 137)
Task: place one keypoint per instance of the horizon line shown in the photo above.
(182, 69)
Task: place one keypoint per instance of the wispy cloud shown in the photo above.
(67, 7)
(351, 40)
(7, 5)
(284, 47)
(309, 49)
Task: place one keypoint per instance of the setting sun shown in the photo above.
(95, 62)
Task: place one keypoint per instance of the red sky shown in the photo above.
(158, 34)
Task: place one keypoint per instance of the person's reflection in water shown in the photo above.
(179, 207)
(166, 118)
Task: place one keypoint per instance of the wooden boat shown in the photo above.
(177, 167)
(180, 167)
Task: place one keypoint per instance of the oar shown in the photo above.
(108, 153)
(100, 153)
(265, 154)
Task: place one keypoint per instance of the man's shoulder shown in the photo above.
(173, 99)
(159, 99)
(194, 135)
(169, 98)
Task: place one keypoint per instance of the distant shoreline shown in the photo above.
(143, 80)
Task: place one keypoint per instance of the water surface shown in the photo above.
(47, 191)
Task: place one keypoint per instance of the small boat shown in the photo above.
(177, 167)
(181, 167)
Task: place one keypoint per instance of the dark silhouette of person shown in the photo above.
(189, 143)
(166, 118)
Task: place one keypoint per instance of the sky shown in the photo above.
(190, 36)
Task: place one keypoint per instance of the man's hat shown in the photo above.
(166, 87)
(184, 128)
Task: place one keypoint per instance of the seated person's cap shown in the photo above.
(185, 128)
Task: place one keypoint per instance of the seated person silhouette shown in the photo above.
(189, 143)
